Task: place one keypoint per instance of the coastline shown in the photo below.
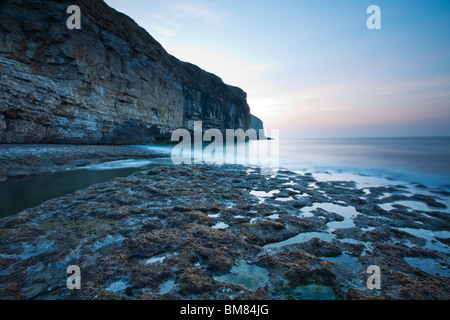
(20, 160)
(226, 232)
(112, 184)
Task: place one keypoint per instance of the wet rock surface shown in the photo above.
(25, 160)
(227, 232)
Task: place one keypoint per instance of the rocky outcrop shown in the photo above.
(256, 124)
(202, 233)
(108, 83)
(23, 160)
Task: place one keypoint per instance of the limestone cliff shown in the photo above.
(108, 83)
(256, 123)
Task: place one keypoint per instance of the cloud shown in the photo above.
(174, 16)
(163, 24)
(198, 10)
(340, 105)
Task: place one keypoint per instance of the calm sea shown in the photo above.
(422, 160)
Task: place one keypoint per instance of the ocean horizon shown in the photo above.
(310, 161)
(412, 160)
(422, 160)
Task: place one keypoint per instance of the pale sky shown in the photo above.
(313, 68)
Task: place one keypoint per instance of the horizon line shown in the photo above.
(368, 137)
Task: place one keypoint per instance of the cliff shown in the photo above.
(256, 124)
(108, 83)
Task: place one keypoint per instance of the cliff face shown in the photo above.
(256, 123)
(109, 82)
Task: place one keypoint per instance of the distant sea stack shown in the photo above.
(256, 124)
(108, 83)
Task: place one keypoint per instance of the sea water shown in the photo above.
(367, 161)
(423, 160)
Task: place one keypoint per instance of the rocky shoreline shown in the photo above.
(30, 159)
(227, 232)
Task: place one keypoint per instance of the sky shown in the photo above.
(312, 68)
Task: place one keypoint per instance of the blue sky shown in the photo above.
(313, 68)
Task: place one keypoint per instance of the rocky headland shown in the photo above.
(108, 83)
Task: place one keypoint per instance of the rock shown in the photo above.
(24, 160)
(108, 83)
(256, 124)
(151, 235)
